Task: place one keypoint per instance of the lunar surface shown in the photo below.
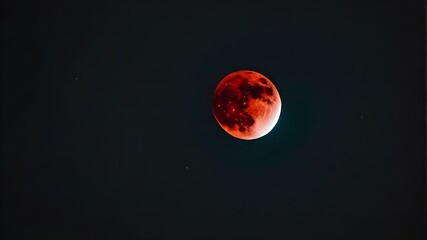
(246, 104)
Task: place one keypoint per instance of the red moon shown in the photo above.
(246, 104)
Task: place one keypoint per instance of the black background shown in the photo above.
(108, 132)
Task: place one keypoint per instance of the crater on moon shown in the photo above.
(246, 104)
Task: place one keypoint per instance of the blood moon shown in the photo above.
(246, 104)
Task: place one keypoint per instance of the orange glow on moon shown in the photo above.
(246, 104)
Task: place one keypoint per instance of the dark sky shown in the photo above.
(108, 131)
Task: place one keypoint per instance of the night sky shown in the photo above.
(108, 131)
